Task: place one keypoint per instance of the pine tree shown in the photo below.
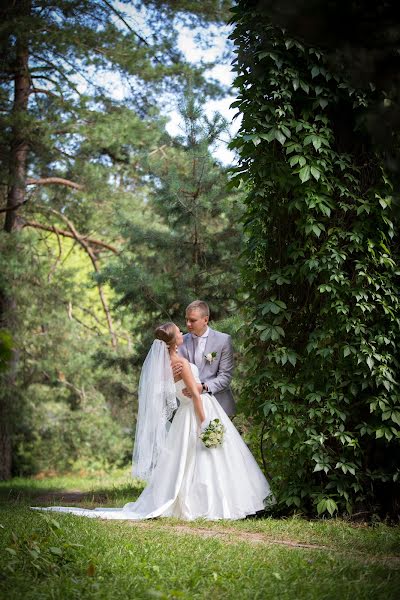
(188, 242)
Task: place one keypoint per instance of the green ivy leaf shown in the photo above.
(280, 137)
(370, 362)
(331, 506)
(315, 173)
(314, 71)
(396, 417)
(304, 86)
(304, 173)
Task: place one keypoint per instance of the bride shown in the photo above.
(185, 478)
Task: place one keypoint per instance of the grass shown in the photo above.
(113, 486)
(62, 556)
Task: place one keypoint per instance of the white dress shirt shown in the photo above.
(200, 349)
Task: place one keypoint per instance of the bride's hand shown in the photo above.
(203, 425)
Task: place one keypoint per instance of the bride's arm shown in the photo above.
(191, 385)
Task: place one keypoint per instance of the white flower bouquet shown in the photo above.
(213, 435)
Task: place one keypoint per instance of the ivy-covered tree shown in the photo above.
(321, 270)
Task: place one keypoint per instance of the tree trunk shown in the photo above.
(15, 198)
(19, 144)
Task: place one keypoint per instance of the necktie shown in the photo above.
(197, 352)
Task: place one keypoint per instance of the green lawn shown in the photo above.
(44, 555)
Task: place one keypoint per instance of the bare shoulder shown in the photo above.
(185, 363)
(178, 360)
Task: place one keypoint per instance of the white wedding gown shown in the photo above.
(191, 481)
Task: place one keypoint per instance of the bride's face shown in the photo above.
(178, 337)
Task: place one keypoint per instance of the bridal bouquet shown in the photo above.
(213, 435)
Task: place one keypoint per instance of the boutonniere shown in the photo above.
(210, 357)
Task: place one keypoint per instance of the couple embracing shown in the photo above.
(198, 466)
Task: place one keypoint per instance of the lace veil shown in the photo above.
(157, 402)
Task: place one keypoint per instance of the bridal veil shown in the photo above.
(157, 403)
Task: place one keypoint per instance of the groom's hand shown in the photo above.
(186, 392)
(177, 369)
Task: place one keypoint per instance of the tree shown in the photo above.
(188, 239)
(362, 44)
(68, 410)
(322, 266)
(68, 138)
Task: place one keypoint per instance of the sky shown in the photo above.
(222, 72)
(195, 54)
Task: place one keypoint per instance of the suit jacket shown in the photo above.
(217, 374)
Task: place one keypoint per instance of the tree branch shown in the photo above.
(8, 208)
(54, 180)
(121, 17)
(35, 90)
(127, 338)
(59, 71)
(93, 258)
(56, 262)
(95, 330)
(68, 234)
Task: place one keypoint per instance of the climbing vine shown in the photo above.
(322, 273)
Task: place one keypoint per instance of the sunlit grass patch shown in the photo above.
(86, 489)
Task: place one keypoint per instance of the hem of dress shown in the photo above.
(81, 512)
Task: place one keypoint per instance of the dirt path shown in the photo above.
(70, 496)
(226, 534)
(233, 535)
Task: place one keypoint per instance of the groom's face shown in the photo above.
(196, 322)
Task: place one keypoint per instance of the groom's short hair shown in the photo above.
(199, 305)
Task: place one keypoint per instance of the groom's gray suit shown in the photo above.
(218, 373)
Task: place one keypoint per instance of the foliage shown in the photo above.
(322, 273)
(182, 247)
(98, 81)
(5, 349)
(67, 411)
(82, 124)
(363, 43)
(54, 437)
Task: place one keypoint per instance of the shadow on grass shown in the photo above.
(28, 492)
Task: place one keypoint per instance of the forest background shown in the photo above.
(121, 224)
(113, 225)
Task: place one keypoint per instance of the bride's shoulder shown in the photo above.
(179, 359)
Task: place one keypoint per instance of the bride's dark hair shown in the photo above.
(166, 332)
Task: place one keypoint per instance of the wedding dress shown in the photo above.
(191, 481)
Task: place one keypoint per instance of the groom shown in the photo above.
(211, 351)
